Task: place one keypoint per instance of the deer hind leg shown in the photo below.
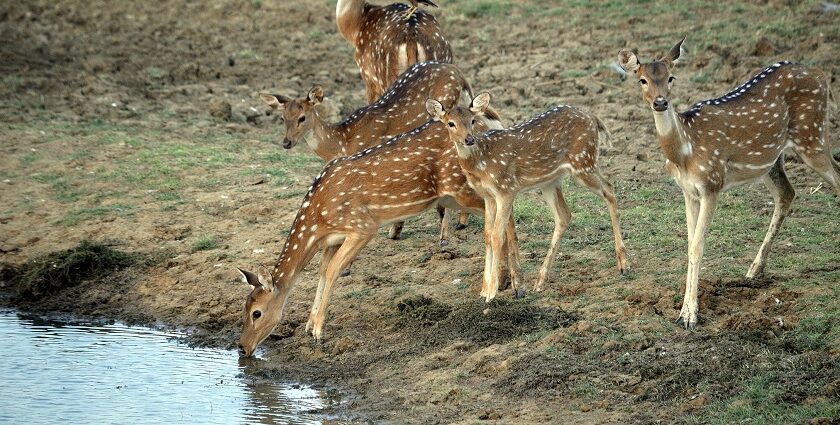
(343, 256)
(396, 230)
(823, 164)
(557, 203)
(504, 206)
(444, 214)
(777, 182)
(513, 261)
(599, 185)
(463, 219)
(326, 257)
(688, 313)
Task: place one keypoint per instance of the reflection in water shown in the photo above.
(54, 372)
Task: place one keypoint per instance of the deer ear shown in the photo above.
(276, 101)
(673, 56)
(435, 109)
(255, 280)
(316, 95)
(628, 61)
(480, 103)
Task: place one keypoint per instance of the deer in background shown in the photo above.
(400, 109)
(534, 155)
(388, 41)
(735, 139)
(348, 201)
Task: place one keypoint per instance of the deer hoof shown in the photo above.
(520, 293)
(687, 324)
(345, 272)
(443, 243)
(460, 226)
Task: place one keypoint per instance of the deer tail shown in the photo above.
(603, 131)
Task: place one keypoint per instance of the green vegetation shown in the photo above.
(205, 243)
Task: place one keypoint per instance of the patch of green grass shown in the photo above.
(167, 196)
(77, 216)
(354, 295)
(483, 8)
(289, 194)
(28, 159)
(761, 402)
(205, 243)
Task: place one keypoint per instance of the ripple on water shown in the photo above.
(54, 372)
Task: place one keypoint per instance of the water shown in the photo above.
(76, 373)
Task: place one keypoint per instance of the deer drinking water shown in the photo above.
(351, 198)
(388, 40)
(534, 155)
(735, 139)
(400, 109)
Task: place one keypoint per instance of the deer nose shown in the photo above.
(287, 144)
(660, 104)
(242, 351)
(470, 140)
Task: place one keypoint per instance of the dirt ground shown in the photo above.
(138, 125)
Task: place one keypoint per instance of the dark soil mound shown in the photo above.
(53, 272)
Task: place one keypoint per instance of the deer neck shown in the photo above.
(672, 136)
(328, 138)
(298, 250)
(348, 18)
(471, 158)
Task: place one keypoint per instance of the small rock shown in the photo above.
(490, 415)
(642, 157)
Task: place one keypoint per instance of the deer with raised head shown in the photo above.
(348, 201)
(538, 154)
(735, 139)
(388, 41)
(400, 109)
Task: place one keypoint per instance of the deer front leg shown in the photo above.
(343, 256)
(688, 313)
(396, 230)
(504, 205)
(692, 208)
(326, 258)
(777, 182)
(489, 219)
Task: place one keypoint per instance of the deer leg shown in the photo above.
(444, 214)
(692, 208)
(777, 182)
(557, 203)
(463, 219)
(489, 219)
(504, 205)
(396, 229)
(343, 256)
(824, 165)
(599, 185)
(688, 313)
(326, 257)
(513, 261)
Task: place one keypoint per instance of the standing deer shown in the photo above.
(400, 109)
(344, 207)
(735, 139)
(534, 155)
(387, 40)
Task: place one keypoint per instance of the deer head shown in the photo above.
(263, 311)
(655, 78)
(462, 122)
(298, 114)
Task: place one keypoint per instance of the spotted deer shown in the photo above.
(735, 139)
(388, 41)
(537, 154)
(340, 214)
(400, 109)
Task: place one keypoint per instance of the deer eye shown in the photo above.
(256, 314)
(643, 82)
(451, 124)
(302, 119)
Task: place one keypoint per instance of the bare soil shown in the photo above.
(99, 98)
